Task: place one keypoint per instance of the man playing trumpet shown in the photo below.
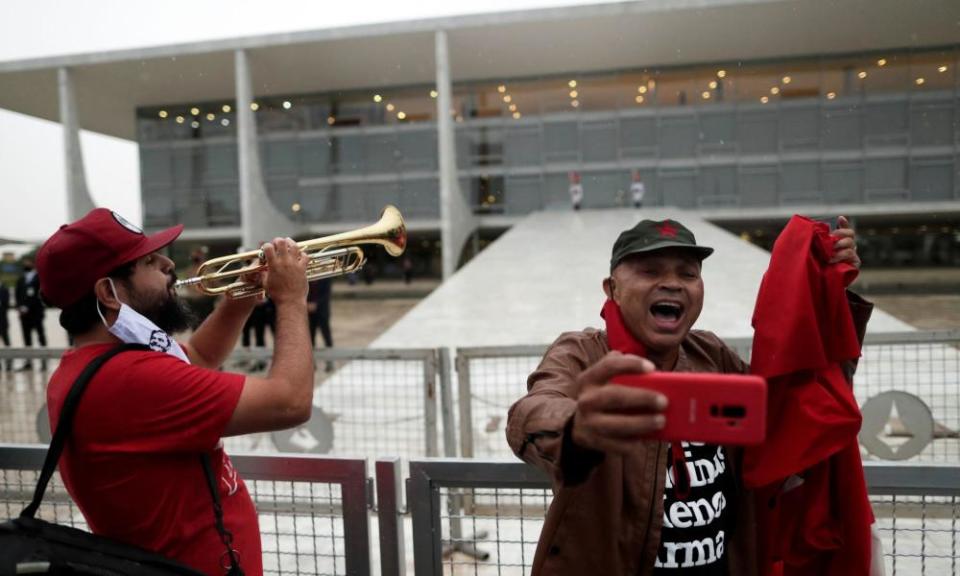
(132, 462)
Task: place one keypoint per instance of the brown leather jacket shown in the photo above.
(607, 510)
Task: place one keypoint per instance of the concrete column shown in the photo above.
(260, 221)
(457, 221)
(78, 196)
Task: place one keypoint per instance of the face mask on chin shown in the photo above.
(135, 328)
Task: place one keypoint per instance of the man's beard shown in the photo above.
(171, 314)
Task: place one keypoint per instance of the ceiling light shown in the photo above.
(721, 73)
(211, 116)
(390, 107)
(575, 103)
(194, 124)
(574, 93)
(882, 62)
(226, 108)
(942, 69)
(713, 84)
(377, 98)
(287, 105)
(433, 93)
(162, 114)
(775, 90)
(920, 81)
(642, 89)
(764, 99)
(331, 120)
(516, 115)
(179, 119)
(295, 207)
(254, 106)
(639, 99)
(831, 95)
(224, 122)
(507, 98)
(572, 83)
(513, 107)
(862, 74)
(195, 111)
(705, 95)
(501, 88)
(401, 115)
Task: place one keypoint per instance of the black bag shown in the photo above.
(32, 546)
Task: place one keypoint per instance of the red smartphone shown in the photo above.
(728, 409)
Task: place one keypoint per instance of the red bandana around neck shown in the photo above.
(618, 337)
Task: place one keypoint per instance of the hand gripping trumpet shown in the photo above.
(329, 256)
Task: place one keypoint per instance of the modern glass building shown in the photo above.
(744, 110)
(853, 129)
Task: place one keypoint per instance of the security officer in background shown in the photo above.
(31, 309)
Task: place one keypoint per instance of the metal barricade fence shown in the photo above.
(368, 402)
(313, 511)
(917, 508)
(489, 380)
(924, 364)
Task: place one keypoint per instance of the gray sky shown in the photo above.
(31, 159)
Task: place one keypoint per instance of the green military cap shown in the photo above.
(650, 235)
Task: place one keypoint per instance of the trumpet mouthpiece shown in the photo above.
(186, 282)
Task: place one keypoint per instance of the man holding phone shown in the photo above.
(621, 506)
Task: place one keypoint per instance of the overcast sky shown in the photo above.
(32, 177)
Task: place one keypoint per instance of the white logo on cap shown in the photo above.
(126, 223)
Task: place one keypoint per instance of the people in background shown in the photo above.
(30, 307)
(5, 322)
(576, 190)
(318, 308)
(637, 189)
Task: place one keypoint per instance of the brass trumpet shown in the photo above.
(329, 256)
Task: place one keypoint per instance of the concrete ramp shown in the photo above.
(543, 277)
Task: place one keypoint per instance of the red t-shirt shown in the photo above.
(132, 463)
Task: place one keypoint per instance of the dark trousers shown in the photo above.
(30, 324)
(5, 336)
(257, 324)
(321, 319)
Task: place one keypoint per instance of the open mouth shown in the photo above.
(667, 313)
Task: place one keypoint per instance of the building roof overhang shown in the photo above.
(110, 86)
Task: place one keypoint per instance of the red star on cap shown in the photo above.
(667, 230)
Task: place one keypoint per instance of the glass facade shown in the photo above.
(856, 129)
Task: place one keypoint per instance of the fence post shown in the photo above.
(430, 370)
(446, 404)
(423, 501)
(356, 520)
(389, 517)
(455, 499)
(464, 401)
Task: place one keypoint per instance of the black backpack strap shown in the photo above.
(65, 423)
(225, 535)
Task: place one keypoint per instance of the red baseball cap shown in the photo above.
(77, 255)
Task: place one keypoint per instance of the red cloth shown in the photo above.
(803, 332)
(132, 464)
(618, 336)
